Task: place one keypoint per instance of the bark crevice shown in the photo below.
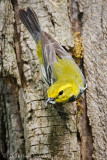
(84, 134)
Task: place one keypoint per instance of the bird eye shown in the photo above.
(61, 92)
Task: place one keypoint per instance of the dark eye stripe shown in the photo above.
(61, 92)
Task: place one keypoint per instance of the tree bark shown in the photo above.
(94, 33)
(29, 129)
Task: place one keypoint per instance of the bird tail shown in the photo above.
(30, 20)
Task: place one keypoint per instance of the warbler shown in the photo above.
(63, 76)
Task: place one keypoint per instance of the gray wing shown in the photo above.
(51, 50)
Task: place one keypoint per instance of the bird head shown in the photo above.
(62, 92)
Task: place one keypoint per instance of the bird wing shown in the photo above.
(51, 51)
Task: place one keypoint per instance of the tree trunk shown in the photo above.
(29, 129)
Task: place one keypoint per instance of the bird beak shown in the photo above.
(50, 100)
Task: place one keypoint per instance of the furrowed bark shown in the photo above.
(94, 35)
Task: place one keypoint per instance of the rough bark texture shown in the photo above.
(94, 33)
(29, 129)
